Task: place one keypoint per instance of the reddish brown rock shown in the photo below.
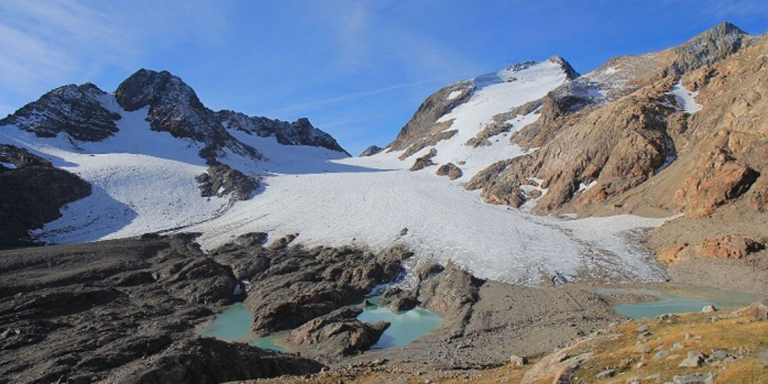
(758, 195)
(714, 181)
(728, 246)
(671, 254)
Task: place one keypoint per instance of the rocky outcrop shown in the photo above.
(422, 129)
(338, 333)
(370, 151)
(729, 246)
(222, 180)
(122, 311)
(203, 361)
(33, 193)
(299, 132)
(72, 109)
(500, 123)
(293, 285)
(715, 180)
(424, 161)
(452, 171)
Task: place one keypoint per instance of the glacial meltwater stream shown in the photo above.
(233, 324)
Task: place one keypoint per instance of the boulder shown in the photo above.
(452, 171)
(694, 360)
(518, 361)
(424, 161)
(339, 333)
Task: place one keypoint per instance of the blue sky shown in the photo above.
(357, 69)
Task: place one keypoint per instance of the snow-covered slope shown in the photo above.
(486, 110)
(371, 207)
(144, 181)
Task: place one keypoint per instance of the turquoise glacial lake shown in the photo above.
(682, 300)
(233, 324)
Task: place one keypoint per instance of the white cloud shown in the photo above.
(47, 43)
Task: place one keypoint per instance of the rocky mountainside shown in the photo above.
(677, 131)
(152, 144)
(432, 123)
(173, 106)
(33, 192)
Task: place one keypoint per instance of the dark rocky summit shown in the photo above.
(370, 151)
(299, 132)
(32, 194)
(71, 109)
(83, 113)
(175, 108)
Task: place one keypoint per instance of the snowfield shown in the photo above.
(144, 181)
(686, 100)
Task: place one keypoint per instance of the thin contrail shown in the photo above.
(337, 99)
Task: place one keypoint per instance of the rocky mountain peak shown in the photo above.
(148, 87)
(709, 47)
(300, 132)
(175, 108)
(565, 65)
(71, 109)
(370, 151)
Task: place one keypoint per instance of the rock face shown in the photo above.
(300, 132)
(122, 311)
(222, 180)
(422, 129)
(338, 333)
(32, 194)
(619, 140)
(71, 109)
(370, 151)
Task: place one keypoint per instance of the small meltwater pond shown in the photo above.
(405, 326)
(679, 300)
(233, 324)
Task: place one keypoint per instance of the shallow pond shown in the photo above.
(405, 326)
(678, 300)
(233, 324)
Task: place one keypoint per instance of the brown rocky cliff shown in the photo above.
(620, 145)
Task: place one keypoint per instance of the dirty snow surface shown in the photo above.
(144, 182)
(686, 100)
